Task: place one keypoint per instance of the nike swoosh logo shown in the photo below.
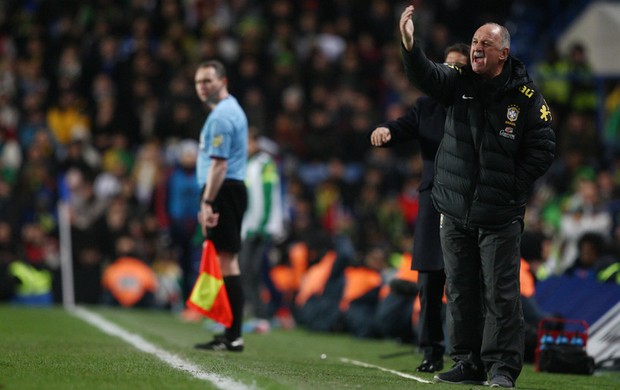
(467, 97)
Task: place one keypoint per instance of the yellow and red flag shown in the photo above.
(209, 295)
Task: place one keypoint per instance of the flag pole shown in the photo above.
(66, 256)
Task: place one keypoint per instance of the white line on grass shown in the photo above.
(368, 365)
(221, 382)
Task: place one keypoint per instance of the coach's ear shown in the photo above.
(504, 55)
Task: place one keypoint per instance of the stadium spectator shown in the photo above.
(578, 132)
(67, 120)
(87, 269)
(398, 307)
(584, 213)
(592, 257)
(611, 127)
(551, 76)
(113, 224)
(117, 162)
(359, 299)
(146, 172)
(10, 154)
(128, 281)
(86, 207)
(8, 254)
(79, 154)
(582, 96)
(169, 294)
(106, 118)
(176, 210)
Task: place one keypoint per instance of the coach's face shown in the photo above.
(487, 55)
(209, 86)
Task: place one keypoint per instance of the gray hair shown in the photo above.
(504, 35)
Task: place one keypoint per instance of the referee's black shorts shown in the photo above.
(231, 202)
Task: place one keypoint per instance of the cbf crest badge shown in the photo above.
(512, 114)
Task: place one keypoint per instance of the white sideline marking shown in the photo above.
(221, 382)
(368, 365)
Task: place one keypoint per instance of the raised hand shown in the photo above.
(406, 27)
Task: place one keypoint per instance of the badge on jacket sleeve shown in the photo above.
(545, 113)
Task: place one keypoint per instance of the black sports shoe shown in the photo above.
(463, 374)
(430, 365)
(502, 381)
(220, 343)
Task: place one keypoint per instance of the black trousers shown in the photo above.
(430, 325)
(254, 266)
(485, 318)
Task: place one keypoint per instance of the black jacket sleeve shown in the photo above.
(403, 129)
(435, 79)
(538, 147)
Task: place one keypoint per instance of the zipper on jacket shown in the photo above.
(477, 143)
(473, 196)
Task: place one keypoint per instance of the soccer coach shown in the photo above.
(497, 141)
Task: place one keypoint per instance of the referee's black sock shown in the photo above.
(235, 296)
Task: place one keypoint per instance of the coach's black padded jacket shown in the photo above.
(497, 139)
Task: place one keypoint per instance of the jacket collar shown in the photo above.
(513, 74)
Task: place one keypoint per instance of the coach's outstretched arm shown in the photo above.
(436, 80)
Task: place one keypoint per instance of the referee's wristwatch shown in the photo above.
(207, 201)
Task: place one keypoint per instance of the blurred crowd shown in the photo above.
(98, 110)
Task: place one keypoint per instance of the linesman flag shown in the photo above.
(209, 295)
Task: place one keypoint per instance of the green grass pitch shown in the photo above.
(50, 348)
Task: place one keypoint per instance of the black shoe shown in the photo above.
(222, 344)
(502, 381)
(429, 365)
(462, 373)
